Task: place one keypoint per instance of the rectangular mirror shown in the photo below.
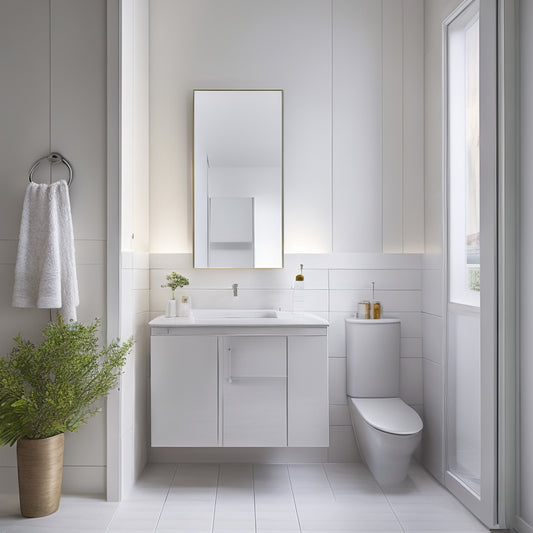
(238, 178)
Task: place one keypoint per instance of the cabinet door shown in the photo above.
(308, 391)
(254, 391)
(184, 391)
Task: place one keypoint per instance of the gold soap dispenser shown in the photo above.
(300, 275)
(298, 296)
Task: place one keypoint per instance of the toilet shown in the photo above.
(386, 429)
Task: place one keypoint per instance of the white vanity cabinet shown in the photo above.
(238, 386)
(184, 390)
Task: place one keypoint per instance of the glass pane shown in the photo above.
(463, 158)
(464, 398)
(464, 330)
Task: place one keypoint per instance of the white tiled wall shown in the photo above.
(433, 331)
(135, 276)
(55, 99)
(85, 451)
(135, 435)
(334, 283)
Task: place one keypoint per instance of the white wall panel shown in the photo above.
(79, 99)
(378, 147)
(411, 325)
(54, 98)
(242, 44)
(432, 436)
(357, 126)
(433, 297)
(413, 126)
(337, 380)
(393, 125)
(337, 334)
(411, 389)
(24, 108)
(411, 347)
(433, 339)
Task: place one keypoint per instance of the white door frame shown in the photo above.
(484, 505)
(508, 238)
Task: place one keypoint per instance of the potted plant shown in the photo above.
(46, 390)
(174, 280)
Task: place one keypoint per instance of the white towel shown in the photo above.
(45, 272)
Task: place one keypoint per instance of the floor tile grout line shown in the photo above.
(287, 466)
(392, 508)
(253, 490)
(166, 496)
(329, 481)
(106, 528)
(215, 502)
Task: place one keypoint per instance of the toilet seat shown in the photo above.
(391, 415)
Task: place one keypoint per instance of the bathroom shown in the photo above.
(363, 201)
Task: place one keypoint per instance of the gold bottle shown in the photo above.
(300, 275)
(375, 306)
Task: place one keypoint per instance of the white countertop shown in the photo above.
(239, 318)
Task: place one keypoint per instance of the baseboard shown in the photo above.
(76, 480)
(84, 480)
(8, 479)
(238, 455)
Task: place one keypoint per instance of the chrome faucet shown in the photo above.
(235, 287)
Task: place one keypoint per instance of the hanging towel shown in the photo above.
(45, 272)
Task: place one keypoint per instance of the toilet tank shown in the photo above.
(373, 358)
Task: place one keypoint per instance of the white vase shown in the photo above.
(171, 308)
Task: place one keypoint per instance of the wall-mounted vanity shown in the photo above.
(239, 378)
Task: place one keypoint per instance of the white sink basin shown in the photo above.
(239, 317)
(235, 313)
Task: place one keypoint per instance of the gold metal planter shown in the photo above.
(40, 472)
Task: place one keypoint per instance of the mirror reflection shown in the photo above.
(238, 179)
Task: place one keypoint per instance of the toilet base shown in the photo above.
(387, 455)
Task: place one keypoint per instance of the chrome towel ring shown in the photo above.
(53, 158)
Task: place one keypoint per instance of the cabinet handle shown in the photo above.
(228, 366)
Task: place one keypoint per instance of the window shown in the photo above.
(463, 157)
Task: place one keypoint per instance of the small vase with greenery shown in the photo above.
(174, 280)
(49, 389)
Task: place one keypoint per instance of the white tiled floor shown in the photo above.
(235, 498)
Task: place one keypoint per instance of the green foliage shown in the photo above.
(174, 281)
(51, 388)
(474, 283)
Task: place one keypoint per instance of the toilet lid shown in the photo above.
(391, 415)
